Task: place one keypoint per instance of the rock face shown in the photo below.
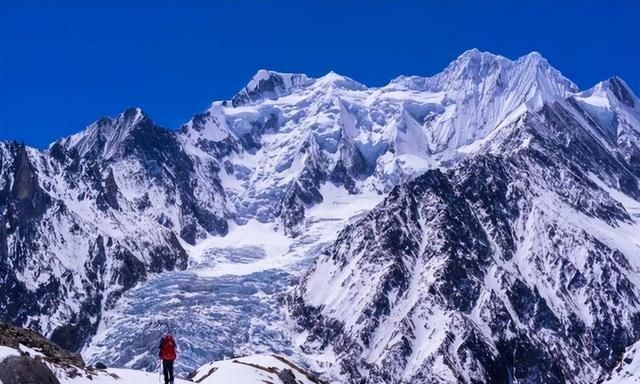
(504, 250)
(72, 239)
(24, 370)
(13, 337)
(35, 357)
(628, 370)
(518, 264)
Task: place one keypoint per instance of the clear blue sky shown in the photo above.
(63, 65)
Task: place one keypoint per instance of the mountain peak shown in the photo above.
(134, 114)
(607, 92)
(474, 60)
(531, 76)
(622, 91)
(535, 55)
(125, 121)
(103, 136)
(476, 54)
(334, 80)
(262, 75)
(267, 84)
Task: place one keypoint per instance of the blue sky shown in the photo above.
(65, 64)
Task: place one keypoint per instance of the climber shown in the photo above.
(167, 355)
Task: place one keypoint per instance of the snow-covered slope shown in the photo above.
(277, 147)
(628, 370)
(253, 369)
(27, 357)
(519, 263)
(539, 181)
(121, 376)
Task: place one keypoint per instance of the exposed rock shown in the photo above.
(287, 376)
(12, 336)
(25, 370)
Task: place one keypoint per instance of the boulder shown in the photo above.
(25, 370)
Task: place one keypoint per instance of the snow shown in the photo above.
(290, 81)
(7, 352)
(247, 370)
(631, 205)
(239, 371)
(262, 74)
(255, 369)
(333, 79)
(229, 296)
(118, 375)
(30, 351)
(251, 234)
(338, 204)
(628, 371)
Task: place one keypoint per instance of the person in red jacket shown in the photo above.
(168, 356)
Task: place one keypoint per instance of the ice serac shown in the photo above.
(518, 263)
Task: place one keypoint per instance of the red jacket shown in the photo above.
(167, 348)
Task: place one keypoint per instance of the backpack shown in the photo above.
(168, 348)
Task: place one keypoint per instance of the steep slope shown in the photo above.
(91, 217)
(518, 264)
(152, 172)
(285, 135)
(628, 370)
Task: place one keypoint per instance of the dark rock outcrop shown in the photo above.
(25, 370)
(12, 336)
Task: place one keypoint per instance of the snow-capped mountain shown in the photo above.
(518, 264)
(511, 208)
(90, 217)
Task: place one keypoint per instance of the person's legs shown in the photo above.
(170, 363)
(166, 367)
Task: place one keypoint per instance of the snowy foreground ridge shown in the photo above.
(257, 369)
(481, 225)
(27, 357)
